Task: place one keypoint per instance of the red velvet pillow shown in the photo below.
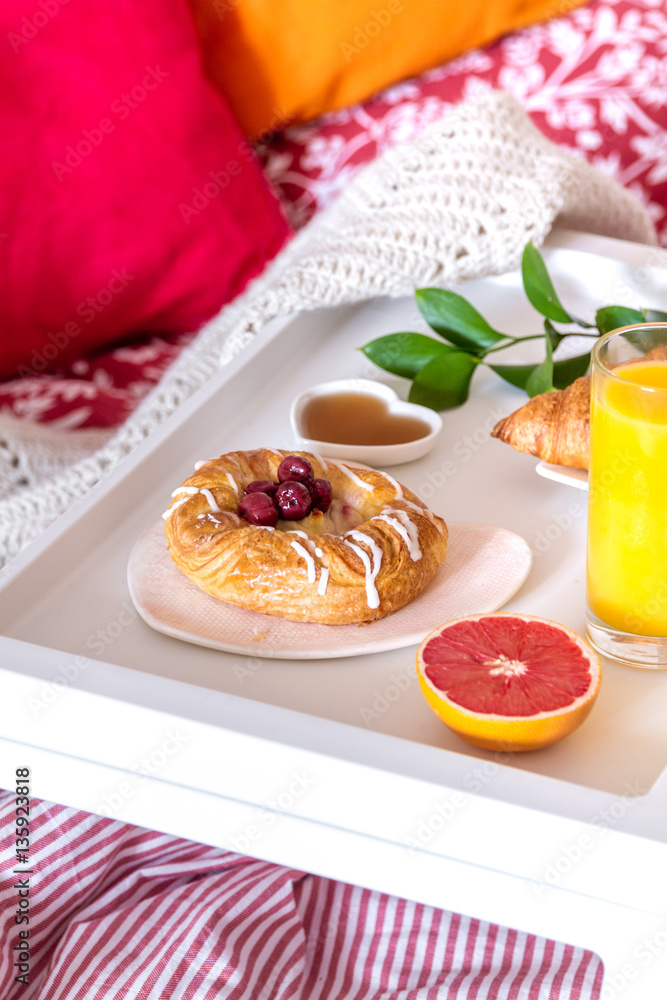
(129, 198)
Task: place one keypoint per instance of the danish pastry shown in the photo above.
(367, 546)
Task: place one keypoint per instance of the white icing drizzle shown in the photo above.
(310, 562)
(190, 491)
(173, 507)
(372, 595)
(424, 511)
(211, 501)
(353, 477)
(412, 530)
(232, 482)
(406, 529)
(397, 486)
(199, 464)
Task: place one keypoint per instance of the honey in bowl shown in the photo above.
(358, 418)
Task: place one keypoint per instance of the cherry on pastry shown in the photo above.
(293, 499)
(261, 486)
(294, 469)
(321, 494)
(258, 508)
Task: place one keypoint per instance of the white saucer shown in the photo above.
(484, 567)
(563, 474)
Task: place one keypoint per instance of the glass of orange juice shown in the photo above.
(626, 571)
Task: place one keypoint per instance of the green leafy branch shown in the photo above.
(441, 373)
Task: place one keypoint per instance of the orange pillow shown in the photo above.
(280, 61)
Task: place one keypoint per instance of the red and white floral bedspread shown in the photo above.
(594, 81)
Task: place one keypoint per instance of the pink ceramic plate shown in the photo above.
(484, 567)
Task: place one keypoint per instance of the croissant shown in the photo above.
(553, 426)
(371, 553)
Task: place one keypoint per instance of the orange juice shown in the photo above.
(627, 511)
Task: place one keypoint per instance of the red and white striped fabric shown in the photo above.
(118, 912)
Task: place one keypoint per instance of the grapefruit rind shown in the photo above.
(512, 733)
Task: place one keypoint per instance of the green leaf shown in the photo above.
(452, 316)
(655, 316)
(614, 317)
(539, 288)
(542, 378)
(517, 375)
(444, 382)
(566, 371)
(554, 336)
(404, 353)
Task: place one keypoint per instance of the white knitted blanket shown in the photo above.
(461, 201)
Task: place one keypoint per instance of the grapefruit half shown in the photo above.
(508, 681)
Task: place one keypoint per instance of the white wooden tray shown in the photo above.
(338, 766)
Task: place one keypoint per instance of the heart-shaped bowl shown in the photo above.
(374, 454)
